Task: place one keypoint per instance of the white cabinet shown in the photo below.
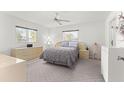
(112, 64)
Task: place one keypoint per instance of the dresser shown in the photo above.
(27, 53)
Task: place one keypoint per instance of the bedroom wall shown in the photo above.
(88, 32)
(8, 35)
(110, 35)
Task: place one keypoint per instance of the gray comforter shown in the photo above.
(63, 55)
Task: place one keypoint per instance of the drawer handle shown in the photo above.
(120, 58)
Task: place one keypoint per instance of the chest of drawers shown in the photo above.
(27, 53)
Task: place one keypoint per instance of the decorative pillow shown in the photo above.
(65, 44)
(73, 44)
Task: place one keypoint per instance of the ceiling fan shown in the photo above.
(59, 20)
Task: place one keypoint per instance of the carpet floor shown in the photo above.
(84, 71)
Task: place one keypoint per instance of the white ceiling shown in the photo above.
(45, 18)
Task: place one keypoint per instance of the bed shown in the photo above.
(66, 54)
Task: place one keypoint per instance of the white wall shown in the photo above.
(109, 32)
(8, 35)
(92, 32)
(88, 32)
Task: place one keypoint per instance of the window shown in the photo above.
(71, 35)
(26, 34)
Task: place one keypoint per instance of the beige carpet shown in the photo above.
(84, 71)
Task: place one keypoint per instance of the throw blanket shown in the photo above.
(63, 55)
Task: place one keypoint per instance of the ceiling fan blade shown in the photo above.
(56, 13)
(64, 20)
(57, 16)
(58, 22)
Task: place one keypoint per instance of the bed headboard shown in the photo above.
(58, 44)
(81, 45)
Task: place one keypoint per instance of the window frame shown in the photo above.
(77, 30)
(27, 38)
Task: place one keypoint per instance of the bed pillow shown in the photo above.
(73, 44)
(65, 44)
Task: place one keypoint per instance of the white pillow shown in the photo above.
(73, 44)
(65, 44)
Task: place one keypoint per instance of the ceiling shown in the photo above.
(45, 18)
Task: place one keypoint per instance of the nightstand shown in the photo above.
(83, 54)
